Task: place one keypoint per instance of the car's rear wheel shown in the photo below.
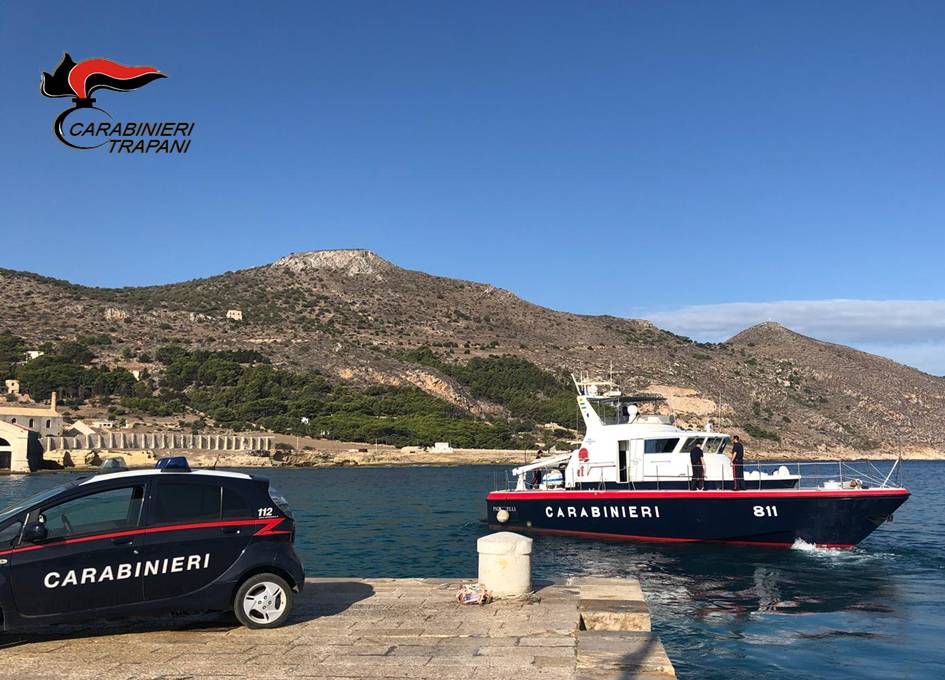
(263, 601)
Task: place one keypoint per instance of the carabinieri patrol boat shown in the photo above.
(631, 476)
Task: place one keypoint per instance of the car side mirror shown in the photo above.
(34, 532)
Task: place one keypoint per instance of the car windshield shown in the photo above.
(20, 506)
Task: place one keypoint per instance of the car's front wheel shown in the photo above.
(263, 601)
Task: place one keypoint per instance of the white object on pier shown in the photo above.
(505, 564)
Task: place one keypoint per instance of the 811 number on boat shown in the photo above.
(765, 510)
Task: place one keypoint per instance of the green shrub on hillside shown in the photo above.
(761, 433)
(65, 368)
(254, 394)
(153, 406)
(529, 392)
(12, 350)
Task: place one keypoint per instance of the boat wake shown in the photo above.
(804, 546)
(845, 556)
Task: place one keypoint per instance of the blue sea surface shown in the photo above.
(877, 611)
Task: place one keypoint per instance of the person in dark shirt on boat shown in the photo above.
(738, 464)
(697, 481)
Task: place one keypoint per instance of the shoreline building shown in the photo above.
(21, 426)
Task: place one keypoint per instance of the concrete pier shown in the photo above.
(583, 629)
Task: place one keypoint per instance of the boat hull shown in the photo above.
(839, 519)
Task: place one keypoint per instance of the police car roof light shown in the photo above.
(173, 464)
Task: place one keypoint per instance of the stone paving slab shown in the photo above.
(352, 628)
(607, 588)
(614, 615)
(612, 654)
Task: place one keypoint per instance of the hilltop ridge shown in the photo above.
(352, 262)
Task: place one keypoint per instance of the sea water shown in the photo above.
(877, 611)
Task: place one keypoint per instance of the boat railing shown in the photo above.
(842, 474)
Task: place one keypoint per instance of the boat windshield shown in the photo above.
(708, 444)
(19, 506)
(712, 444)
(609, 411)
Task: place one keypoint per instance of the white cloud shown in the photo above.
(910, 331)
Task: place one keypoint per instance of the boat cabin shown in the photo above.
(626, 448)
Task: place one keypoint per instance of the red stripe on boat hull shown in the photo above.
(660, 539)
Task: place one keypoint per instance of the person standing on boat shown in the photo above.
(697, 480)
(738, 464)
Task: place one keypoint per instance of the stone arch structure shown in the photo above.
(6, 454)
(14, 447)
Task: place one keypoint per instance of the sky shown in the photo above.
(707, 165)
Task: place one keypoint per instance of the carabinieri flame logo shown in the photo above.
(80, 80)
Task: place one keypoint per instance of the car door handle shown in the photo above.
(230, 530)
(122, 540)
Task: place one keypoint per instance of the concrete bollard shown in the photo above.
(505, 564)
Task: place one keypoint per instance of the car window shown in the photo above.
(21, 505)
(180, 503)
(105, 511)
(235, 505)
(9, 533)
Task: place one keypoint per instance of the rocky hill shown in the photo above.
(353, 315)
